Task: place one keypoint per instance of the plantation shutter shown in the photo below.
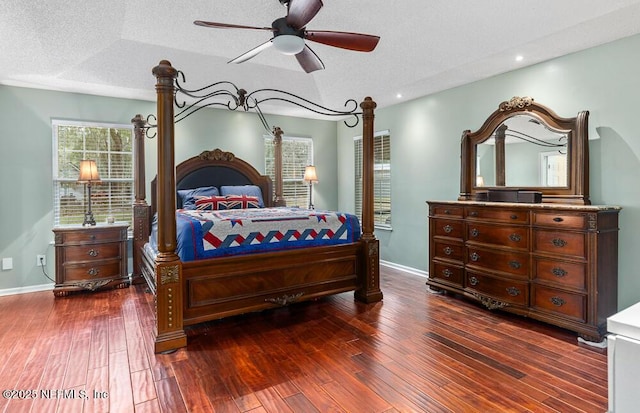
(111, 146)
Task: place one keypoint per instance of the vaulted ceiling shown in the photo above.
(109, 48)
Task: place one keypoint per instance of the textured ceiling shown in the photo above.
(109, 48)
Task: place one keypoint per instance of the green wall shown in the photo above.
(425, 139)
(425, 150)
(26, 208)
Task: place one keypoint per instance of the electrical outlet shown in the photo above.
(41, 260)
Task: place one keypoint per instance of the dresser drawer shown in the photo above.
(447, 211)
(514, 263)
(94, 252)
(447, 273)
(560, 220)
(563, 303)
(561, 243)
(568, 274)
(91, 271)
(500, 289)
(448, 228)
(496, 214)
(448, 250)
(508, 236)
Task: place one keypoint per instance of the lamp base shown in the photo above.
(88, 219)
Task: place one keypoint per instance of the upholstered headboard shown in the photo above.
(216, 168)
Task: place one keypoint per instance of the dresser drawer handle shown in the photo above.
(93, 272)
(473, 281)
(557, 301)
(557, 242)
(515, 265)
(447, 229)
(474, 257)
(558, 272)
(513, 291)
(473, 213)
(475, 232)
(515, 237)
(513, 216)
(448, 250)
(447, 212)
(558, 219)
(93, 237)
(93, 253)
(447, 273)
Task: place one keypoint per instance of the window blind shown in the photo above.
(381, 178)
(297, 153)
(111, 146)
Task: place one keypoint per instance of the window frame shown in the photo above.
(302, 187)
(127, 198)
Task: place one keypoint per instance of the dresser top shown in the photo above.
(546, 205)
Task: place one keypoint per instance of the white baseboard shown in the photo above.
(24, 290)
(405, 268)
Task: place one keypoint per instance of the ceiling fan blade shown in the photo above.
(309, 60)
(251, 53)
(345, 40)
(300, 12)
(228, 26)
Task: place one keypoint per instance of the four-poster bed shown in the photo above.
(190, 292)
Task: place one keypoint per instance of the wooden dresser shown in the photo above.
(553, 262)
(90, 258)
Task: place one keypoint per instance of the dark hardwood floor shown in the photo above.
(413, 352)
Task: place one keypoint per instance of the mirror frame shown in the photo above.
(577, 189)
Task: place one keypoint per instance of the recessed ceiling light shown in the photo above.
(519, 58)
(399, 96)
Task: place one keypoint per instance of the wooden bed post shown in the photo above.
(369, 290)
(169, 295)
(141, 208)
(277, 143)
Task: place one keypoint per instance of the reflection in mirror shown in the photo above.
(523, 152)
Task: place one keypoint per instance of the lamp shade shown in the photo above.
(479, 180)
(288, 44)
(88, 171)
(310, 174)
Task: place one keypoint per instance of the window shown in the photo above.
(381, 178)
(111, 146)
(297, 153)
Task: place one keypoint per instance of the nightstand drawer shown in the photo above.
(88, 271)
(92, 252)
(91, 235)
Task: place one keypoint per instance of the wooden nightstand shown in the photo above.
(90, 258)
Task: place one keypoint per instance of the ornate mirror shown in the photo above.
(525, 146)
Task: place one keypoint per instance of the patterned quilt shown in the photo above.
(208, 234)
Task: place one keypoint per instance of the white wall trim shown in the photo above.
(24, 290)
(401, 267)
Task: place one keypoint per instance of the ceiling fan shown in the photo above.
(290, 33)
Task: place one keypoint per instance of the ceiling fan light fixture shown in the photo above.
(288, 44)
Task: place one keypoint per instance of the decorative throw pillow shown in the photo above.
(189, 196)
(210, 203)
(250, 190)
(242, 202)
